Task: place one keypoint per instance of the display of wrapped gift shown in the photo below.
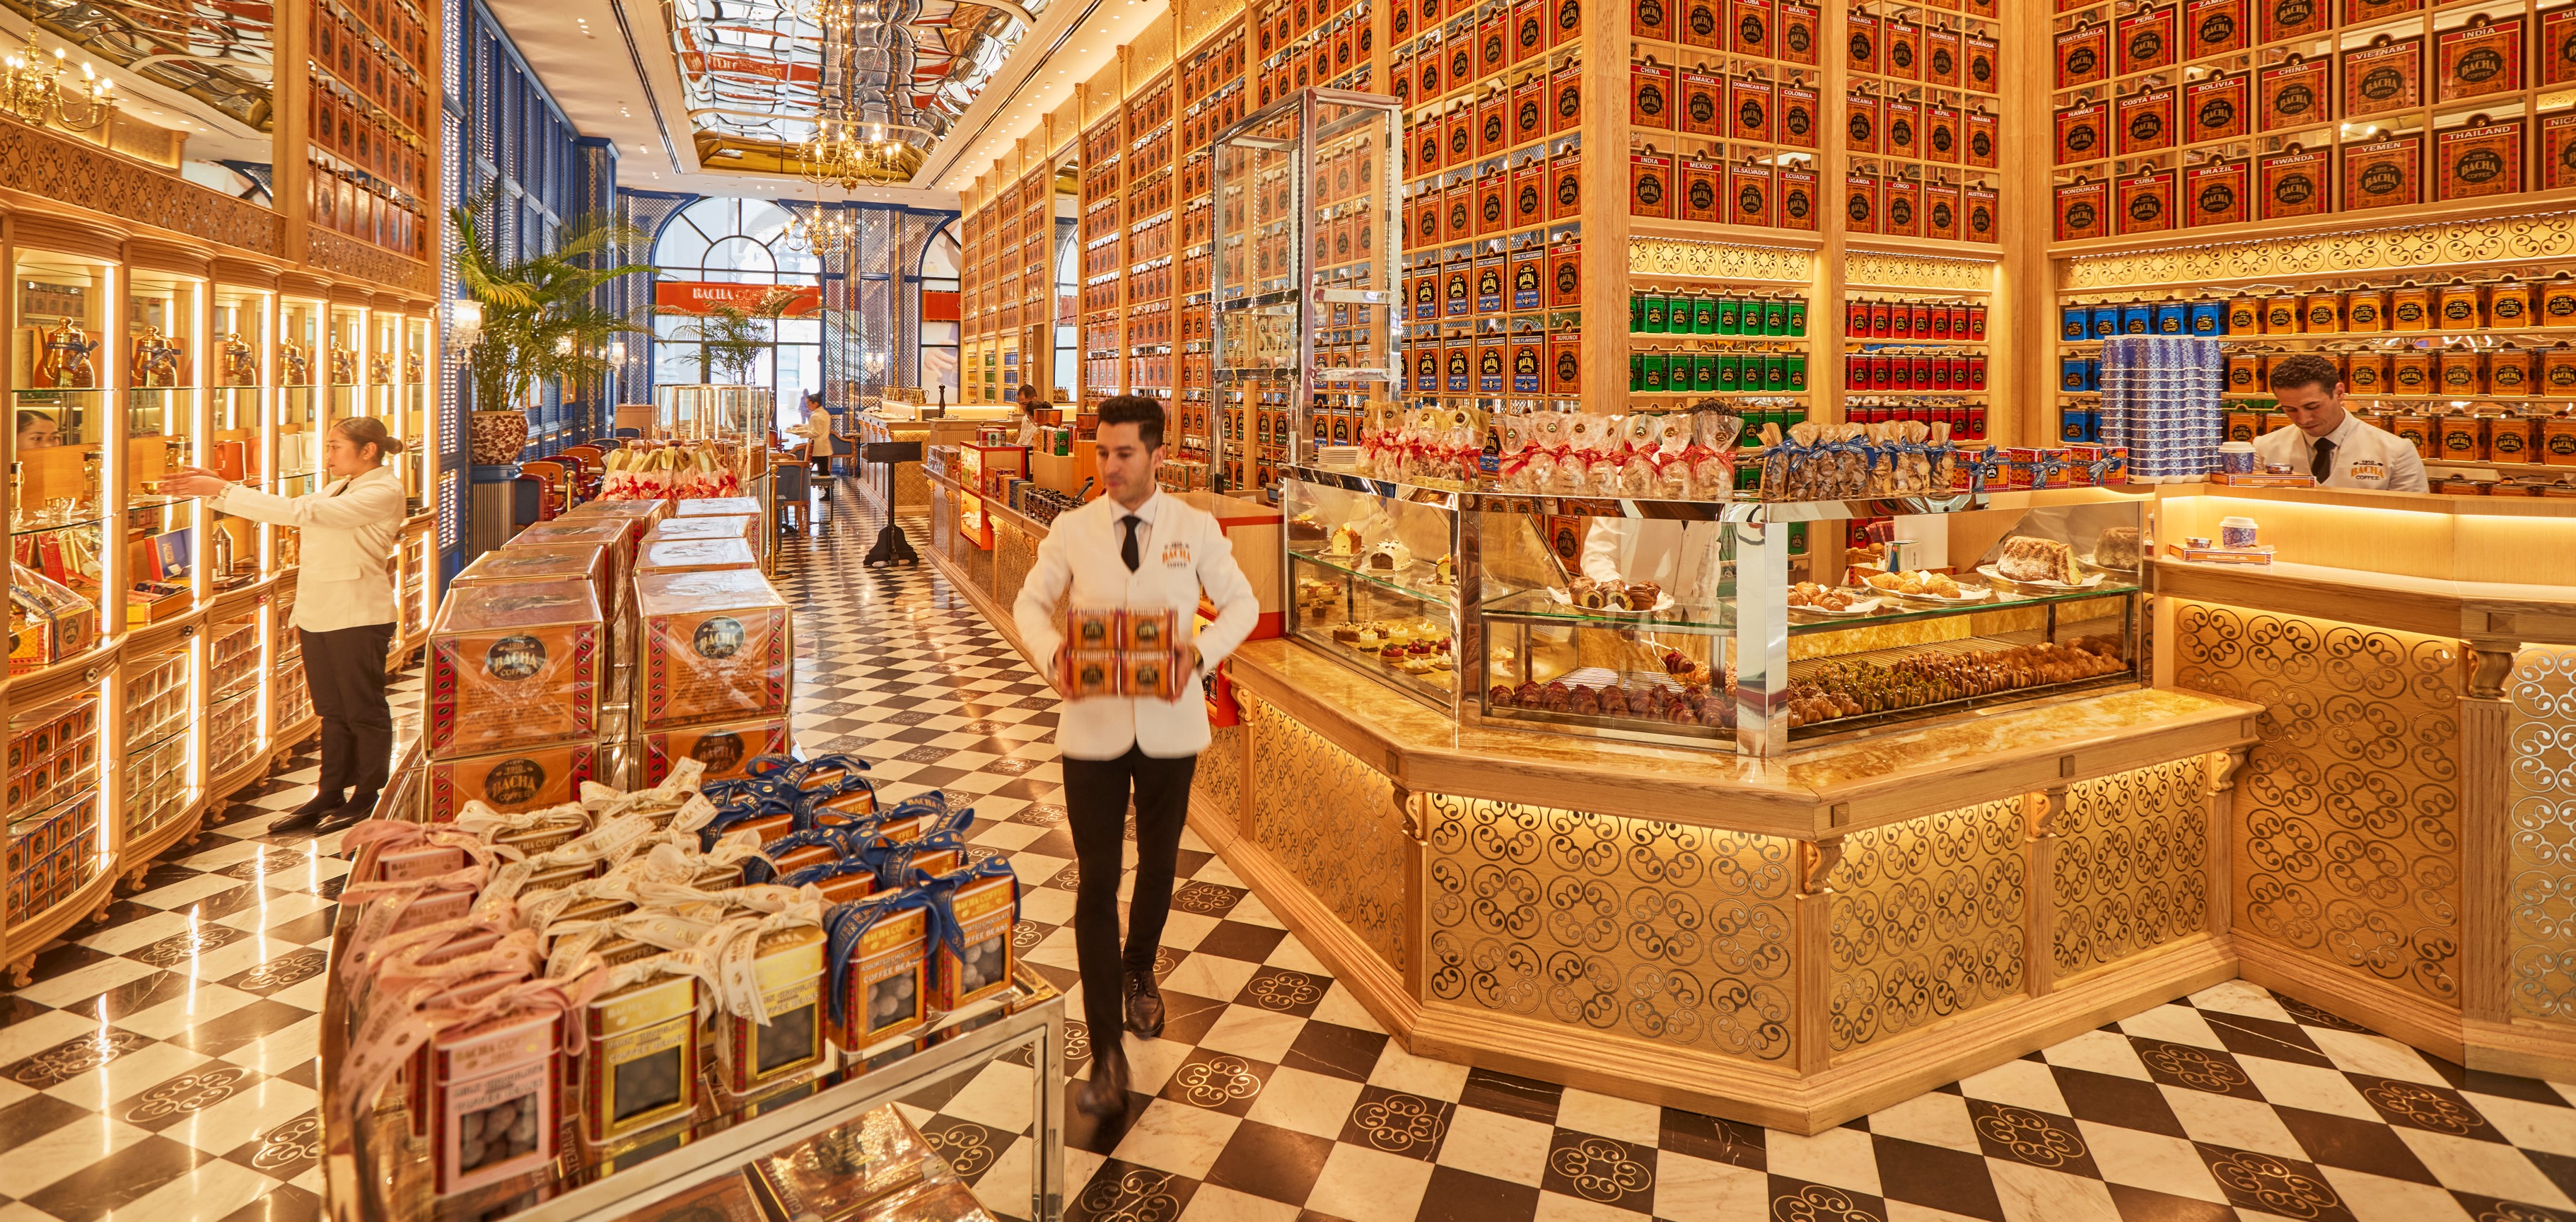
(515, 665)
(47, 621)
(714, 648)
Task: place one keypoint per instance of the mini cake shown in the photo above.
(2117, 548)
(1389, 557)
(1641, 595)
(1305, 529)
(2043, 560)
(1346, 541)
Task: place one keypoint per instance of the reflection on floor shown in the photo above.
(161, 1067)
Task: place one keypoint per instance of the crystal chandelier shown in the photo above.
(31, 91)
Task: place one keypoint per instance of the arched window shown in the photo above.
(939, 259)
(738, 241)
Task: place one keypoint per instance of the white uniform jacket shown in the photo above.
(1180, 551)
(348, 543)
(2365, 456)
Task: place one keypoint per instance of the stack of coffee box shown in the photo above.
(536, 992)
(1122, 652)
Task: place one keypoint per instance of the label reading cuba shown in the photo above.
(2294, 93)
(1749, 32)
(2470, 162)
(2384, 76)
(2383, 173)
(2478, 59)
(2146, 203)
(2294, 184)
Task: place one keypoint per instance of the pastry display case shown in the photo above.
(1304, 282)
(237, 372)
(1682, 622)
(162, 353)
(1373, 580)
(64, 366)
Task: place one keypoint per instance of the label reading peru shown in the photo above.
(2146, 40)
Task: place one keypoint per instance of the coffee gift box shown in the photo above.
(835, 1176)
(876, 963)
(721, 526)
(716, 507)
(724, 749)
(618, 538)
(788, 967)
(511, 781)
(975, 910)
(514, 665)
(693, 556)
(492, 1096)
(714, 648)
(640, 1037)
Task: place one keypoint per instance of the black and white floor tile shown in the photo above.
(161, 1067)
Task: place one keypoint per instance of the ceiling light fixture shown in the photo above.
(31, 91)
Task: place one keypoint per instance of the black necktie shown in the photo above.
(2321, 463)
(1127, 550)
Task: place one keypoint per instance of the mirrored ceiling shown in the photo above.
(762, 76)
(219, 52)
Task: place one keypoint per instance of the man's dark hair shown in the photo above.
(2305, 369)
(1146, 414)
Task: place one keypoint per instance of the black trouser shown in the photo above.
(345, 669)
(1095, 799)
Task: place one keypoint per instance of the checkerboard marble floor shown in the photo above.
(161, 1066)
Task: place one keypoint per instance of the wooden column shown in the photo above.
(2486, 828)
(1811, 963)
(2018, 376)
(1604, 128)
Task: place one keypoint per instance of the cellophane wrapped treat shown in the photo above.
(714, 648)
(514, 665)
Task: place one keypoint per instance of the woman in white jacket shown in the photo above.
(344, 606)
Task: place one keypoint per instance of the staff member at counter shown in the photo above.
(344, 606)
(1133, 548)
(2342, 450)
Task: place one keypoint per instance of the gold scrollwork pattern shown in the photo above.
(1666, 932)
(2540, 884)
(2436, 244)
(1684, 257)
(1330, 820)
(2132, 864)
(1219, 780)
(1927, 921)
(1014, 555)
(2346, 836)
(74, 172)
(1879, 269)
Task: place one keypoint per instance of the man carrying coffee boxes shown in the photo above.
(1133, 564)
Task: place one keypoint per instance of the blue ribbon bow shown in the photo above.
(849, 925)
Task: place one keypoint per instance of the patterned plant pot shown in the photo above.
(499, 436)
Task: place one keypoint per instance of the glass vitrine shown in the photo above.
(383, 365)
(233, 731)
(163, 355)
(1682, 622)
(237, 369)
(154, 749)
(344, 364)
(1373, 583)
(411, 415)
(62, 464)
(302, 398)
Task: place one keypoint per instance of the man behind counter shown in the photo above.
(2342, 450)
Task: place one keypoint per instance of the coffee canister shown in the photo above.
(1729, 316)
(2106, 321)
(2244, 316)
(1797, 316)
(2136, 318)
(2410, 308)
(2509, 303)
(2281, 315)
(1703, 315)
(2513, 439)
(2244, 373)
(1658, 312)
(2410, 373)
(2558, 302)
(2208, 318)
(2461, 372)
(2366, 373)
(2365, 309)
(2462, 304)
(2322, 311)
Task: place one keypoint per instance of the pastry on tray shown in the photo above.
(2047, 561)
(2117, 548)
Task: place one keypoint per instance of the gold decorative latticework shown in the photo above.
(1331, 821)
(2347, 822)
(2132, 864)
(1879, 269)
(2540, 881)
(1217, 786)
(1665, 932)
(74, 172)
(2426, 247)
(1726, 260)
(1015, 554)
(1927, 921)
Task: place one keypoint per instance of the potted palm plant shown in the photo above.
(735, 335)
(541, 319)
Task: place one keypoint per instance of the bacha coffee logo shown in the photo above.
(2217, 27)
(1901, 134)
(1528, 199)
(1524, 364)
(2292, 14)
(1569, 102)
(1860, 129)
(1493, 210)
(1802, 42)
(1493, 44)
(2479, 66)
(1430, 149)
(1941, 215)
(1943, 63)
(2081, 61)
(2478, 166)
(2381, 84)
(1430, 224)
(2381, 178)
(1425, 294)
(1530, 32)
(1860, 48)
(1567, 189)
(1857, 208)
(1901, 55)
(1982, 145)
(1525, 278)
(514, 657)
(514, 782)
(1795, 205)
(721, 752)
(2146, 207)
(2080, 138)
(2216, 113)
(1702, 20)
(1462, 64)
(1748, 200)
(1567, 368)
(2216, 199)
(1650, 13)
(1942, 140)
(1494, 129)
(1458, 217)
(1650, 189)
(1748, 29)
(2295, 100)
(1529, 115)
(1981, 69)
(1900, 212)
(2146, 45)
(718, 638)
(1569, 15)
(1489, 363)
(1460, 140)
(1568, 278)
(1800, 122)
(1650, 100)
(2294, 189)
(2147, 126)
(2080, 216)
(1981, 219)
(1703, 108)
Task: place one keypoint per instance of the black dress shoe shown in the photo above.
(1104, 1094)
(361, 806)
(1144, 1004)
(324, 802)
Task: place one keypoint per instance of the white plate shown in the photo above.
(1566, 599)
(1994, 574)
(2086, 559)
(1859, 607)
(1969, 594)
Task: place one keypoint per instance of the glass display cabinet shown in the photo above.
(297, 368)
(410, 409)
(234, 738)
(1305, 283)
(237, 372)
(1373, 581)
(61, 463)
(1681, 622)
(163, 354)
(344, 364)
